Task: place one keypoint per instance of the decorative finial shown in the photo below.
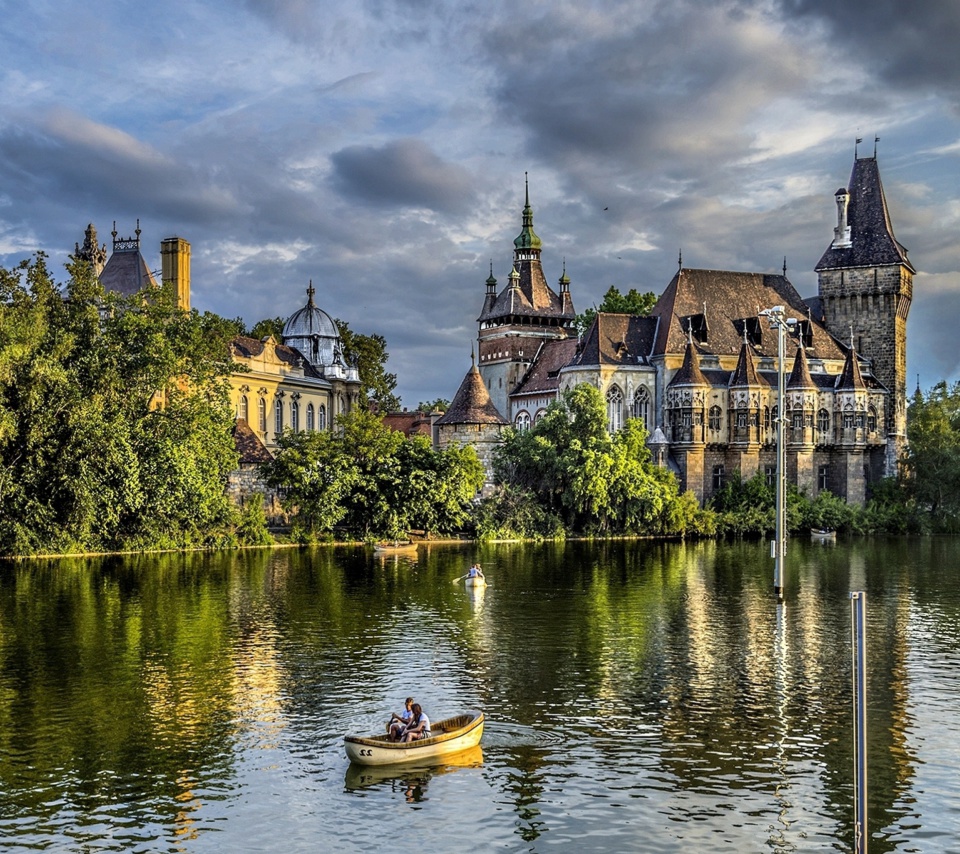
(690, 331)
(851, 337)
(473, 358)
(526, 183)
(876, 139)
(855, 147)
(138, 230)
(784, 266)
(114, 232)
(680, 259)
(310, 293)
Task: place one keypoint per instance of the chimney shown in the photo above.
(175, 268)
(841, 234)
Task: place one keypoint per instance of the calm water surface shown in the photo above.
(640, 698)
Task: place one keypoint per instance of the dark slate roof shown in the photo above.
(531, 296)
(690, 373)
(871, 234)
(725, 299)
(850, 377)
(249, 348)
(800, 375)
(745, 374)
(471, 404)
(126, 273)
(544, 374)
(248, 444)
(618, 339)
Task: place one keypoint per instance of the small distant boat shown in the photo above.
(823, 535)
(451, 735)
(395, 548)
(476, 581)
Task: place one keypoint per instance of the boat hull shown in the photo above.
(476, 582)
(452, 735)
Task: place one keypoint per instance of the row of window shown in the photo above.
(799, 420)
(770, 474)
(316, 418)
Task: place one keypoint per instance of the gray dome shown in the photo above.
(312, 331)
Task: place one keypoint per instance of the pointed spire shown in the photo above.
(310, 293)
(472, 404)
(745, 374)
(800, 375)
(689, 373)
(564, 278)
(851, 378)
(528, 238)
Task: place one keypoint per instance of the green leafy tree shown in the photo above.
(933, 460)
(370, 354)
(441, 404)
(633, 302)
(267, 327)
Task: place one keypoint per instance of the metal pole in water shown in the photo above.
(858, 630)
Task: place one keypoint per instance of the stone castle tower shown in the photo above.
(515, 323)
(865, 287)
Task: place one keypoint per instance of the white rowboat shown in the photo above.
(451, 735)
(478, 581)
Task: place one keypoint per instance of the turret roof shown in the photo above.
(472, 404)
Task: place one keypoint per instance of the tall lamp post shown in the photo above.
(782, 324)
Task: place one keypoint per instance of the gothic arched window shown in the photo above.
(262, 415)
(715, 418)
(641, 405)
(322, 417)
(295, 416)
(823, 421)
(244, 408)
(614, 409)
(310, 424)
(278, 416)
(522, 421)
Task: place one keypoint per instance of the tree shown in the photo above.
(267, 327)
(933, 459)
(114, 416)
(633, 302)
(441, 404)
(370, 354)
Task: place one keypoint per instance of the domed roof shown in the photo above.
(310, 321)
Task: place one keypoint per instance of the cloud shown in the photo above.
(401, 173)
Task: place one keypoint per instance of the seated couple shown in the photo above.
(410, 725)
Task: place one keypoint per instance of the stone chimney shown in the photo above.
(175, 266)
(841, 234)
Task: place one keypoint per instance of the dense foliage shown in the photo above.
(591, 481)
(114, 417)
(633, 302)
(371, 481)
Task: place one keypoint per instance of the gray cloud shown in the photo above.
(404, 173)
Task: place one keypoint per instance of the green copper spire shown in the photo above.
(528, 238)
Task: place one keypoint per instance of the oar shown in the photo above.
(455, 580)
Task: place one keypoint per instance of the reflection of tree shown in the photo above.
(525, 786)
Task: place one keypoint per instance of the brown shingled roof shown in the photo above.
(800, 375)
(248, 444)
(249, 348)
(471, 404)
(544, 374)
(689, 373)
(618, 339)
(851, 378)
(727, 298)
(745, 374)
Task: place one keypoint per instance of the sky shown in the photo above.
(378, 148)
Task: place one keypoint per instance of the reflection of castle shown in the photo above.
(701, 370)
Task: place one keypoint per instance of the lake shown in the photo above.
(640, 697)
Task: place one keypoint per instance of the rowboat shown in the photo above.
(823, 535)
(417, 773)
(451, 735)
(394, 548)
(476, 581)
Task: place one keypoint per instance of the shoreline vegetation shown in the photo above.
(116, 438)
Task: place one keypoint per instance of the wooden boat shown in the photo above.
(394, 548)
(477, 581)
(823, 535)
(359, 776)
(452, 735)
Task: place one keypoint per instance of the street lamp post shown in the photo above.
(782, 324)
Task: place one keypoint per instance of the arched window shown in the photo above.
(614, 409)
(322, 417)
(244, 408)
(823, 421)
(847, 417)
(522, 421)
(641, 404)
(539, 415)
(295, 416)
(871, 420)
(278, 416)
(715, 418)
(262, 415)
(310, 424)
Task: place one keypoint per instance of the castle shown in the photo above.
(701, 371)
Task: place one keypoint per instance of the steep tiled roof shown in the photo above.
(248, 444)
(618, 339)
(745, 374)
(724, 300)
(851, 378)
(544, 373)
(126, 273)
(800, 375)
(689, 373)
(871, 235)
(471, 404)
(531, 296)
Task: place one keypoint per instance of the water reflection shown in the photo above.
(639, 696)
(411, 779)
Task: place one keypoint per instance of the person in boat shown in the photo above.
(475, 571)
(419, 726)
(398, 723)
